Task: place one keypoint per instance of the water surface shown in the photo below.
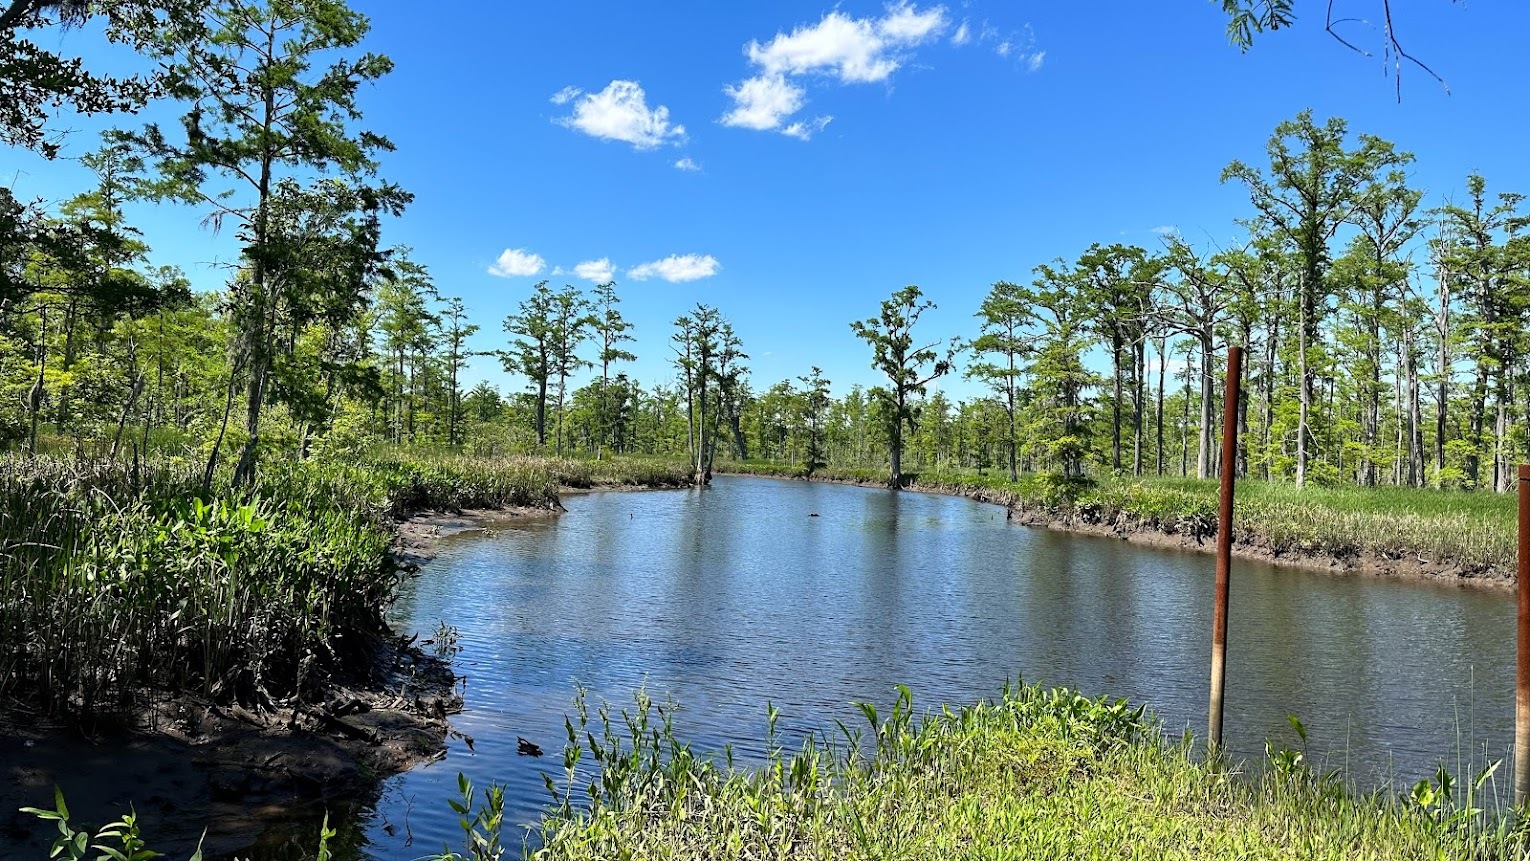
(729, 597)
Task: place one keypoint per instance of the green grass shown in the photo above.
(1036, 774)
(1474, 531)
(120, 582)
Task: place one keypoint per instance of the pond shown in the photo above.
(735, 595)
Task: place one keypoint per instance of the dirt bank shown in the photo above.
(188, 763)
(1245, 546)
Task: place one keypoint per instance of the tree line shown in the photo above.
(1386, 335)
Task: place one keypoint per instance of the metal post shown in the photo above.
(1224, 543)
(1522, 674)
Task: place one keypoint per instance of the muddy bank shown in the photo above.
(416, 538)
(187, 763)
(256, 781)
(1202, 538)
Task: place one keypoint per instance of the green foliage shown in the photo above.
(1248, 17)
(39, 79)
(116, 841)
(1036, 773)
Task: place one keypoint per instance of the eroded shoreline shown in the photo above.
(1137, 531)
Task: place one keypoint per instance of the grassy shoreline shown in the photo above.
(1467, 538)
(1035, 773)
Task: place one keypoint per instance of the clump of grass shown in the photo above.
(1035, 774)
(115, 583)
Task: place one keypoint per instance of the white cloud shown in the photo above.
(687, 163)
(761, 102)
(852, 50)
(598, 271)
(857, 50)
(677, 268)
(1004, 48)
(905, 25)
(620, 113)
(1166, 230)
(1034, 63)
(805, 130)
(515, 262)
(963, 35)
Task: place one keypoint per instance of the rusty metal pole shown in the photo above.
(1522, 674)
(1224, 543)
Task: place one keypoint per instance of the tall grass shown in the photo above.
(1035, 774)
(119, 581)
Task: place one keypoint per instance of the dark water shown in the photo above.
(728, 597)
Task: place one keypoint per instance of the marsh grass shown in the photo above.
(123, 581)
(1036, 773)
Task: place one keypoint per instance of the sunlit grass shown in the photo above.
(1037, 774)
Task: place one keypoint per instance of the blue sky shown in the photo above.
(793, 163)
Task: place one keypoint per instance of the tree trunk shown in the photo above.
(1415, 417)
(256, 342)
(1163, 344)
(1140, 386)
(1476, 420)
(1203, 455)
(541, 412)
(1115, 403)
(1305, 387)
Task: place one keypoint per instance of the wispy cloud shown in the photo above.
(850, 50)
(1017, 45)
(688, 164)
(1166, 230)
(598, 271)
(517, 262)
(677, 268)
(804, 130)
(620, 112)
(963, 34)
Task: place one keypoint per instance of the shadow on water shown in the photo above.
(732, 596)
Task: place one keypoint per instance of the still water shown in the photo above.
(732, 596)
